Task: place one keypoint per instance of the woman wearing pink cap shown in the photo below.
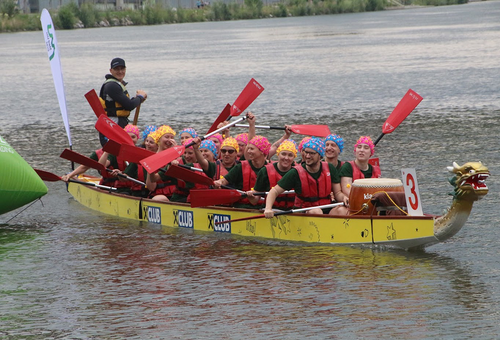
(244, 174)
(360, 167)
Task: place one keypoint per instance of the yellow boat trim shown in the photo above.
(397, 231)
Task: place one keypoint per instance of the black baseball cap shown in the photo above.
(117, 62)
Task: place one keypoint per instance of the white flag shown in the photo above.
(49, 34)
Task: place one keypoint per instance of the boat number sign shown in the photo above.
(410, 185)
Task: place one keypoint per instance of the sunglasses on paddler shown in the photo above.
(228, 151)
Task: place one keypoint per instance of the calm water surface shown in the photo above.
(70, 273)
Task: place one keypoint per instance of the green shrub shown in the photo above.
(254, 7)
(66, 16)
(88, 15)
(153, 15)
(8, 8)
(137, 17)
(220, 11)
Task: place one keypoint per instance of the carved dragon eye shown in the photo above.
(472, 171)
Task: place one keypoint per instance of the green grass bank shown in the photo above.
(72, 17)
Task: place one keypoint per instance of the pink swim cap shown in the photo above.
(365, 140)
(242, 137)
(132, 129)
(261, 143)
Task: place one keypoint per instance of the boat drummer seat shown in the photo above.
(387, 203)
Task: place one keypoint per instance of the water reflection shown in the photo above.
(170, 275)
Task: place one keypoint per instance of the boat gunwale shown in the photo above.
(226, 208)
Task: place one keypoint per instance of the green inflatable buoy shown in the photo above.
(19, 183)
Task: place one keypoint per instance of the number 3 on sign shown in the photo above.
(410, 184)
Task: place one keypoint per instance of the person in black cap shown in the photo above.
(115, 98)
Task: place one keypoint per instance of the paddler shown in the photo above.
(162, 188)
(334, 145)
(244, 174)
(276, 144)
(228, 157)
(118, 165)
(301, 148)
(205, 152)
(115, 98)
(270, 175)
(313, 182)
(137, 171)
(360, 167)
(187, 133)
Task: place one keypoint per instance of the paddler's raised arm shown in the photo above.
(199, 157)
(276, 144)
(251, 128)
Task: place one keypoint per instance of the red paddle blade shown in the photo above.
(47, 176)
(112, 147)
(222, 117)
(205, 197)
(73, 156)
(95, 103)
(129, 153)
(246, 97)
(160, 159)
(311, 130)
(188, 175)
(112, 130)
(401, 111)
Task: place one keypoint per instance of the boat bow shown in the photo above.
(469, 185)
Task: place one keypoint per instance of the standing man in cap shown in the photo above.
(115, 98)
(314, 182)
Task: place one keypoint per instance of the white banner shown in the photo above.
(49, 34)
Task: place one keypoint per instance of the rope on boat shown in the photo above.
(390, 199)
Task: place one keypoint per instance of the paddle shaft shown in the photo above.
(310, 130)
(263, 127)
(51, 177)
(84, 160)
(136, 116)
(283, 212)
(92, 184)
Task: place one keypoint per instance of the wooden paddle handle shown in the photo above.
(136, 116)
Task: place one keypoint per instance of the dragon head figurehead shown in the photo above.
(468, 180)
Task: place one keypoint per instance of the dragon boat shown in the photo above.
(382, 225)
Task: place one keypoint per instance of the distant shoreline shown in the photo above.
(88, 16)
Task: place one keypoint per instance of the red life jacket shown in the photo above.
(283, 201)
(357, 174)
(249, 179)
(314, 192)
(220, 170)
(140, 176)
(166, 188)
